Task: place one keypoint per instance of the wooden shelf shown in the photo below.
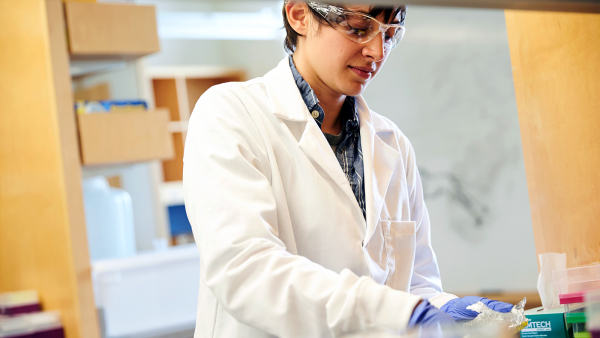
(178, 89)
(109, 138)
(100, 31)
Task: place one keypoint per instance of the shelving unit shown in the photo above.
(43, 232)
(178, 89)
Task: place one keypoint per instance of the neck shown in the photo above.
(330, 100)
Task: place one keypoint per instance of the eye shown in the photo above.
(339, 20)
(390, 33)
(358, 31)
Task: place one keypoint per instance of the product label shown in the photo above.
(538, 326)
(544, 327)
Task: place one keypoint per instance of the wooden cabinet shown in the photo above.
(556, 69)
(43, 238)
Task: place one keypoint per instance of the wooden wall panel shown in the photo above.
(197, 86)
(43, 243)
(173, 169)
(165, 96)
(556, 69)
(85, 313)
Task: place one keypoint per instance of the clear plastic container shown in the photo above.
(577, 279)
(578, 321)
(573, 302)
(592, 311)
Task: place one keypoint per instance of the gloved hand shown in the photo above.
(457, 308)
(427, 315)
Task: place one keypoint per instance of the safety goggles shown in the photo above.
(359, 27)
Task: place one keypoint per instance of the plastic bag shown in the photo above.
(514, 320)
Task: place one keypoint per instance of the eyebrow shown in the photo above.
(349, 8)
(395, 22)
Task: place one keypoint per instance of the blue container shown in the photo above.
(178, 220)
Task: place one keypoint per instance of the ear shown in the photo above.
(298, 16)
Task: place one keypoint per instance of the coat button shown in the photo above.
(315, 114)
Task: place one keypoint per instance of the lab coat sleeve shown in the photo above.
(426, 280)
(233, 213)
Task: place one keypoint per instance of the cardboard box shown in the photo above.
(545, 323)
(110, 31)
(107, 138)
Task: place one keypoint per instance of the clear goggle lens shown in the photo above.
(360, 27)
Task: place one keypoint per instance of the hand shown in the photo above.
(427, 315)
(457, 308)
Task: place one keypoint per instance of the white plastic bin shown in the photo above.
(149, 294)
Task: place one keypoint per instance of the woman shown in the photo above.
(306, 206)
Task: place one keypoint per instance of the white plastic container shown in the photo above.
(577, 279)
(109, 220)
(149, 294)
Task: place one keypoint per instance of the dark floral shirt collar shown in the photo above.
(349, 113)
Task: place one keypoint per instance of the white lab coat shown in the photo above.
(284, 248)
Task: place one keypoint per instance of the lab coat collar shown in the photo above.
(285, 98)
(287, 102)
(380, 160)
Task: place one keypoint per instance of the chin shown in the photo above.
(355, 89)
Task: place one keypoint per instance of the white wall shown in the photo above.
(256, 56)
(449, 88)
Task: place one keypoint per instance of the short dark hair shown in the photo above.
(291, 38)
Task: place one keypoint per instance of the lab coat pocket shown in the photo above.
(375, 252)
(400, 244)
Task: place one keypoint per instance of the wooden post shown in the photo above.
(43, 243)
(556, 68)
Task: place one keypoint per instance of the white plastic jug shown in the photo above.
(109, 220)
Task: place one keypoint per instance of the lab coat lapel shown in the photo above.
(380, 161)
(316, 147)
(287, 104)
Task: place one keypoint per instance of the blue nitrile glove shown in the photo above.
(457, 308)
(427, 315)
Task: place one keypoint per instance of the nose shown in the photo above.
(374, 48)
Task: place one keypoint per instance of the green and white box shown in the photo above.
(545, 324)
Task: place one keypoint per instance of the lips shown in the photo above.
(364, 72)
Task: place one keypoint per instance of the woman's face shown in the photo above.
(344, 66)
